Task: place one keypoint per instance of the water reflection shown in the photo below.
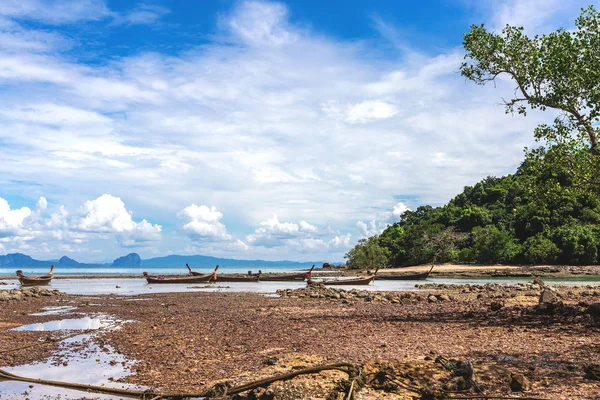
(54, 310)
(78, 360)
(85, 323)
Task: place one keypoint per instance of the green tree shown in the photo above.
(540, 250)
(560, 71)
(367, 254)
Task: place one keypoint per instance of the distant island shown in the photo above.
(133, 260)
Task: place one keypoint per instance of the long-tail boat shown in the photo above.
(405, 277)
(228, 278)
(35, 280)
(289, 277)
(206, 278)
(354, 281)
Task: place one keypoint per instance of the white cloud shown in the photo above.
(360, 113)
(381, 221)
(341, 242)
(107, 214)
(144, 14)
(274, 233)
(399, 209)
(55, 11)
(259, 23)
(370, 110)
(203, 223)
(11, 221)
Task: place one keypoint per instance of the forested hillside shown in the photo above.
(534, 216)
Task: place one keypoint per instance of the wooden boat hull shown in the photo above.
(225, 278)
(410, 277)
(180, 279)
(405, 277)
(359, 281)
(231, 278)
(294, 277)
(35, 280)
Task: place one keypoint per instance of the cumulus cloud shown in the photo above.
(204, 223)
(107, 214)
(381, 221)
(274, 233)
(399, 209)
(12, 221)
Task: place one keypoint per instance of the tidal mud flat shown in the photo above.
(541, 342)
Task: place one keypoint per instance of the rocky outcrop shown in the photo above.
(130, 260)
(318, 291)
(25, 293)
(67, 262)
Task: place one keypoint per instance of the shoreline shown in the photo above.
(439, 271)
(241, 338)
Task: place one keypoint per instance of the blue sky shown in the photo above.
(245, 129)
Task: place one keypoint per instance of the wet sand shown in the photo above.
(189, 341)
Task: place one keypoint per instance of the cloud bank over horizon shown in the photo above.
(255, 134)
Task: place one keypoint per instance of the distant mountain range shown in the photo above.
(19, 260)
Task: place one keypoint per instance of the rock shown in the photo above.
(592, 371)
(548, 296)
(539, 282)
(519, 383)
(395, 301)
(443, 297)
(432, 299)
(594, 310)
(496, 305)
(270, 360)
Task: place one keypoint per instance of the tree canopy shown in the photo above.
(560, 70)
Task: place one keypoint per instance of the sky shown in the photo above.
(244, 129)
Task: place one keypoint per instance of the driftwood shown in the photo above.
(384, 379)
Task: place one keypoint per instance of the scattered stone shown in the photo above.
(593, 310)
(496, 305)
(592, 372)
(22, 293)
(519, 383)
(431, 299)
(548, 296)
(270, 360)
(539, 282)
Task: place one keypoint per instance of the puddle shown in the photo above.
(77, 360)
(54, 310)
(84, 323)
